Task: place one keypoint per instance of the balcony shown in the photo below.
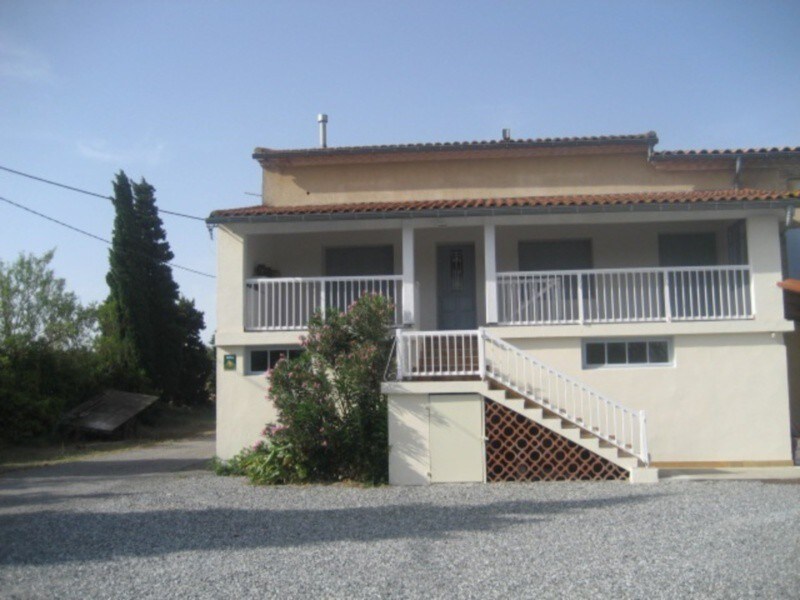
(287, 303)
(705, 293)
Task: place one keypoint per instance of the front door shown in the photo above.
(455, 289)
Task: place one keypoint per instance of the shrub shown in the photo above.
(272, 463)
(38, 383)
(331, 413)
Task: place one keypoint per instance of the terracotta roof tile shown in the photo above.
(727, 152)
(644, 138)
(411, 206)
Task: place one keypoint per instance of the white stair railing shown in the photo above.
(439, 354)
(568, 398)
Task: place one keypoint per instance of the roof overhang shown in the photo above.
(308, 214)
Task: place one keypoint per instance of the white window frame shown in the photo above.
(285, 349)
(628, 365)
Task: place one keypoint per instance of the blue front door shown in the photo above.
(455, 287)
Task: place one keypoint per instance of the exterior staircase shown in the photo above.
(517, 381)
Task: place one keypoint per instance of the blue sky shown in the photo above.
(181, 93)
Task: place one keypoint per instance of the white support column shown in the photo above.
(490, 270)
(409, 295)
(764, 257)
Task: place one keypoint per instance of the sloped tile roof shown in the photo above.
(637, 138)
(580, 200)
(727, 152)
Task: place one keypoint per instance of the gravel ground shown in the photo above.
(145, 527)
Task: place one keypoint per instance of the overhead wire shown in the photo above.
(91, 235)
(90, 193)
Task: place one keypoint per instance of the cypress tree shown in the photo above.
(124, 310)
(161, 349)
(150, 328)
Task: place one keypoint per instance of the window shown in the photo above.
(264, 359)
(616, 353)
(687, 249)
(555, 255)
(359, 260)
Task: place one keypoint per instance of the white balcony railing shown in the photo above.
(287, 303)
(625, 295)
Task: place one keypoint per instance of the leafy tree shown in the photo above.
(36, 306)
(148, 329)
(195, 365)
(46, 364)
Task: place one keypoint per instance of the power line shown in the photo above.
(88, 193)
(91, 235)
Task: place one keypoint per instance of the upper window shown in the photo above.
(555, 255)
(687, 249)
(613, 353)
(265, 359)
(359, 260)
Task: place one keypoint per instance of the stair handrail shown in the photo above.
(578, 420)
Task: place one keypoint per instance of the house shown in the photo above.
(579, 308)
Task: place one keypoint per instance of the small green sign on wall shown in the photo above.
(229, 362)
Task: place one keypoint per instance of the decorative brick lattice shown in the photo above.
(518, 449)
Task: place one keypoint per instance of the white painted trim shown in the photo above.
(628, 340)
(409, 283)
(490, 271)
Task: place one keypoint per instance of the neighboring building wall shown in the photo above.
(444, 178)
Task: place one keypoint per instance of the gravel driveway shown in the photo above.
(154, 524)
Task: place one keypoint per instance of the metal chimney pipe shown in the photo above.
(322, 119)
(506, 135)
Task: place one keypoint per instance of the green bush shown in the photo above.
(272, 463)
(331, 413)
(38, 383)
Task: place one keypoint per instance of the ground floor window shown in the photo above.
(630, 352)
(264, 359)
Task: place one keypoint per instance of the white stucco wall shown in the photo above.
(243, 409)
(724, 400)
